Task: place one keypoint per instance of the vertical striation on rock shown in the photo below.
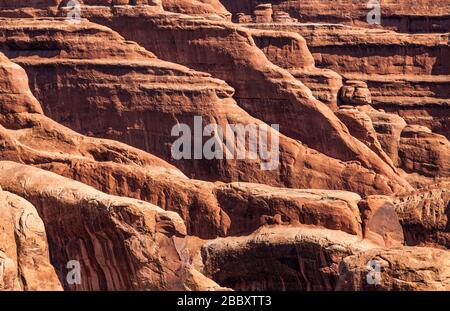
(24, 252)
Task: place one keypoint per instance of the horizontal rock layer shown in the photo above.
(357, 200)
(158, 94)
(406, 74)
(423, 16)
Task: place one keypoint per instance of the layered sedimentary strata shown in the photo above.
(406, 73)
(197, 7)
(109, 166)
(413, 148)
(360, 126)
(120, 243)
(280, 258)
(30, 137)
(249, 206)
(403, 16)
(159, 101)
(134, 218)
(424, 215)
(307, 258)
(208, 210)
(92, 216)
(424, 152)
(43, 8)
(289, 51)
(355, 93)
(388, 127)
(261, 87)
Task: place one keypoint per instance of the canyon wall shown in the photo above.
(134, 119)
(423, 16)
(406, 74)
(89, 176)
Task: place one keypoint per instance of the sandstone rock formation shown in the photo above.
(289, 51)
(101, 232)
(48, 136)
(422, 151)
(411, 80)
(403, 16)
(260, 85)
(413, 148)
(380, 221)
(90, 231)
(250, 205)
(405, 269)
(159, 28)
(89, 176)
(209, 210)
(280, 258)
(388, 127)
(360, 126)
(424, 215)
(133, 120)
(356, 93)
(197, 7)
(24, 254)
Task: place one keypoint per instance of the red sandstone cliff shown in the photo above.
(413, 16)
(363, 168)
(133, 119)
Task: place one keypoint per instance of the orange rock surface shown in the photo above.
(89, 180)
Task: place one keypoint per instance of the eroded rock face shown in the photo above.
(197, 7)
(208, 210)
(109, 166)
(380, 221)
(280, 258)
(261, 87)
(402, 16)
(388, 127)
(249, 206)
(337, 210)
(424, 215)
(289, 51)
(355, 93)
(405, 269)
(24, 254)
(424, 152)
(360, 126)
(135, 218)
(135, 121)
(120, 243)
(412, 148)
(412, 82)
